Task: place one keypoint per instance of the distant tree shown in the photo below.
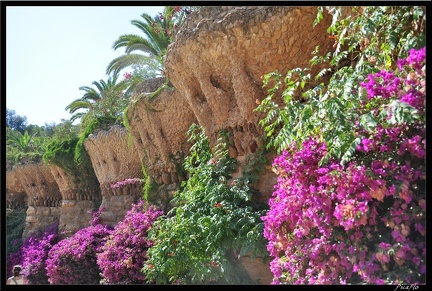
(46, 130)
(65, 130)
(49, 128)
(15, 121)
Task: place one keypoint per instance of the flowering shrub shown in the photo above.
(316, 105)
(363, 222)
(170, 20)
(132, 181)
(73, 260)
(35, 252)
(32, 253)
(14, 257)
(124, 253)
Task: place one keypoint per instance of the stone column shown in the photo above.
(43, 196)
(16, 197)
(158, 126)
(115, 159)
(80, 197)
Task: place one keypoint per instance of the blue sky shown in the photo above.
(53, 50)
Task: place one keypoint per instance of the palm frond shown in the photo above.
(124, 61)
(78, 104)
(123, 40)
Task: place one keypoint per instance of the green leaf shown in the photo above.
(368, 122)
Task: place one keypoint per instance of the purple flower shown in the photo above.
(383, 84)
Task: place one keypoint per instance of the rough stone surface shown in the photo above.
(221, 53)
(114, 158)
(40, 217)
(115, 208)
(258, 269)
(158, 127)
(16, 197)
(75, 215)
(39, 184)
(220, 56)
(43, 195)
(75, 188)
(79, 200)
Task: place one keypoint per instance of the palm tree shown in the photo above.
(158, 34)
(92, 97)
(154, 44)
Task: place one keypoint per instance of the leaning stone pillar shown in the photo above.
(43, 196)
(80, 197)
(16, 197)
(115, 159)
(158, 126)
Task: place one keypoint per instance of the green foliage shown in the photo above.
(61, 151)
(254, 166)
(60, 147)
(91, 125)
(154, 43)
(214, 221)
(158, 33)
(104, 108)
(15, 224)
(46, 130)
(367, 41)
(108, 100)
(143, 68)
(31, 145)
(23, 147)
(25, 141)
(149, 187)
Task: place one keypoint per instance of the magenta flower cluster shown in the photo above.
(33, 253)
(363, 222)
(127, 75)
(72, 261)
(96, 254)
(409, 89)
(124, 254)
(382, 85)
(15, 257)
(129, 181)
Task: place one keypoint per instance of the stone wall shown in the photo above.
(158, 127)
(221, 53)
(218, 60)
(40, 217)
